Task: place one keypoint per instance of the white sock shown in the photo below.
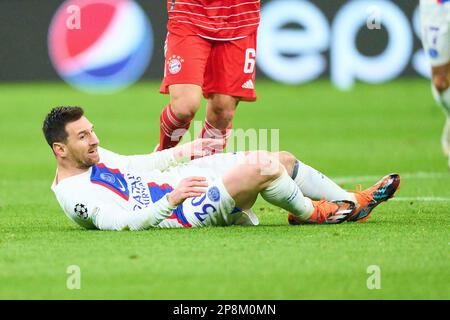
(316, 186)
(445, 138)
(284, 193)
(442, 98)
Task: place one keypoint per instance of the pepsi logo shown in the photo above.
(100, 45)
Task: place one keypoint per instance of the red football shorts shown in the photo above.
(224, 67)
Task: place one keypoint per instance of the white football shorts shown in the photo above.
(216, 207)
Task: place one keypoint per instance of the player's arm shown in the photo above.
(112, 217)
(196, 149)
(109, 217)
(162, 160)
(97, 210)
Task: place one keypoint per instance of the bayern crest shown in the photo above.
(174, 64)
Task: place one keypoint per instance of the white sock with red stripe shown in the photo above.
(172, 128)
(209, 131)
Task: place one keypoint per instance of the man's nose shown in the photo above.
(94, 139)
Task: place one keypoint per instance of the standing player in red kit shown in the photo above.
(211, 51)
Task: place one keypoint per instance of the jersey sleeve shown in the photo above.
(110, 217)
(160, 160)
(96, 212)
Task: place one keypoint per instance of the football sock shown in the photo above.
(283, 192)
(442, 98)
(209, 131)
(172, 128)
(445, 139)
(316, 185)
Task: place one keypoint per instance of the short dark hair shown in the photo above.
(54, 126)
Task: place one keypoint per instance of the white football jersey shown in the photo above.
(435, 28)
(129, 193)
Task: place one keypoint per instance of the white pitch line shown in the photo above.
(432, 199)
(413, 175)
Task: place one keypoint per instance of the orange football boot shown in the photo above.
(368, 199)
(326, 212)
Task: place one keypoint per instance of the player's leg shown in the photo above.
(262, 173)
(311, 182)
(441, 93)
(186, 58)
(220, 111)
(176, 117)
(229, 78)
(435, 20)
(316, 185)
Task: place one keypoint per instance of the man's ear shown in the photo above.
(59, 149)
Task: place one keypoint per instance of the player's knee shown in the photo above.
(440, 82)
(223, 101)
(265, 166)
(223, 106)
(441, 77)
(287, 159)
(225, 115)
(185, 107)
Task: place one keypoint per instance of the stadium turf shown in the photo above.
(355, 137)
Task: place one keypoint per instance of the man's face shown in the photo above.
(82, 143)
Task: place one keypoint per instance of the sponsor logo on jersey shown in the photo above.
(214, 194)
(111, 179)
(248, 85)
(139, 192)
(81, 211)
(434, 34)
(433, 53)
(100, 45)
(174, 64)
(108, 177)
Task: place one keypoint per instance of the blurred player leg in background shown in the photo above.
(441, 93)
(435, 19)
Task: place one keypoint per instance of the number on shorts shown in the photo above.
(205, 212)
(198, 200)
(207, 209)
(250, 61)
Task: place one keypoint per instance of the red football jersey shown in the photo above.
(214, 19)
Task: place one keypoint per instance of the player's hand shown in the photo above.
(198, 148)
(190, 187)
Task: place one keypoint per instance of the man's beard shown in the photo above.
(86, 163)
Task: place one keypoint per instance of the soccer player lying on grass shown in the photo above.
(99, 189)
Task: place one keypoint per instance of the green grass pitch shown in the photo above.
(355, 137)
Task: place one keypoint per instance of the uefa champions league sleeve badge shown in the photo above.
(81, 211)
